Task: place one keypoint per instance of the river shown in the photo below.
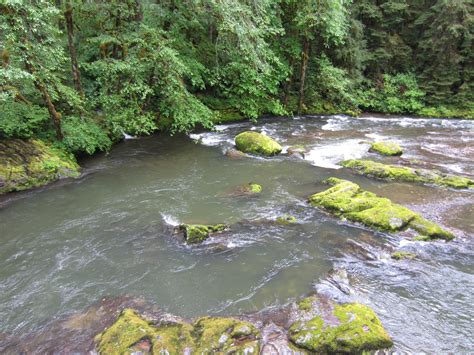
(67, 245)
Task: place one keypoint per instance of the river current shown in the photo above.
(107, 234)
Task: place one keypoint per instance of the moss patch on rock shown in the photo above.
(225, 335)
(30, 163)
(130, 330)
(257, 143)
(353, 328)
(386, 148)
(131, 333)
(347, 200)
(406, 174)
(197, 233)
(401, 255)
(286, 219)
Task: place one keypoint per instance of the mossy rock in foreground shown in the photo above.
(350, 328)
(257, 143)
(30, 163)
(386, 148)
(406, 174)
(131, 333)
(347, 200)
(197, 233)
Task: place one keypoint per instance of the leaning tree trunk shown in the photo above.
(76, 74)
(304, 66)
(55, 115)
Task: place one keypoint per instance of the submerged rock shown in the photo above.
(347, 200)
(234, 154)
(30, 163)
(257, 143)
(406, 174)
(286, 219)
(197, 233)
(401, 255)
(386, 148)
(133, 333)
(298, 150)
(249, 189)
(348, 328)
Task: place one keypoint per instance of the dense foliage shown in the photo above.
(84, 73)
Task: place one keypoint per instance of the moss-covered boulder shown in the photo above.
(197, 233)
(347, 200)
(132, 333)
(30, 163)
(257, 143)
(386, 148)
(349, 328)
(225, 335)
(402, 255)
(407, 174)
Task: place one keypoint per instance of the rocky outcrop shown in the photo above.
(347, 200)
(386, 148)
(315, 325)
(257, 143)
(406, 174)
(134, 333)
(30, 163)
(329, 328)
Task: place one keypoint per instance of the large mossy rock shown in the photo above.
(197, 233)
(339, 329)
(406, 174)
(386, 148)
(132, 333)
(347, 200)
(257, 143)
(29, 163)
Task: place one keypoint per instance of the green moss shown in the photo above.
(197, 233)
(226, 335)
(346, 199)
(257, 143)
(386, 148)
(130, 329)
(27, 164)
(429, 229)
(254, 188)
(306, 304)
(286, 219)
(406, 174)
(358, 329)
(401, 255)
(227, 115)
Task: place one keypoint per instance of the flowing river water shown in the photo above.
(68, 245)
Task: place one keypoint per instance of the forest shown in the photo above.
(81, 74)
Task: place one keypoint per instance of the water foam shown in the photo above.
(329, 156)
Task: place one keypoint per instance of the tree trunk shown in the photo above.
(288, 84)
(76, 74)
(304, 66)
(55, 115)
